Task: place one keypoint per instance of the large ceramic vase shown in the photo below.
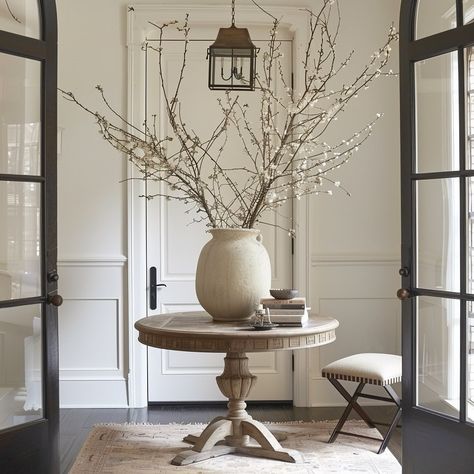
(233, 273)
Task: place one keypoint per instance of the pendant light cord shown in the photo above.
(233, 12)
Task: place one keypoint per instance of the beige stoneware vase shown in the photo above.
(233, 273)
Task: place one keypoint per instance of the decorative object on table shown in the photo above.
(281, 159)
(261, 320)
(233, 272)
(232, 59)
(147, 449)
(290, 312)
(374, 369)
(283, 294)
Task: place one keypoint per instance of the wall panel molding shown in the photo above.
(93, 261)
(359, 291)
(354, 260)
(93, 361)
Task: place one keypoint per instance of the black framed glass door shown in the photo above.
(437, 186)
(29, 407)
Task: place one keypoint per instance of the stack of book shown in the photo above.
(287, 312)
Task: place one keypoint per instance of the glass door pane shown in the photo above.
(21, 388)
(437, 114)
(468, 8)
(438, 356)
(20, 240)
(438, 236)
(435, 16)
(20, 17)
(469, 61)
(20, 109)
(470, 362)
(470, 236)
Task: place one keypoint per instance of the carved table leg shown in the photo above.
(231, 434)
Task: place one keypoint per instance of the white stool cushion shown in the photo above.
(376, 369)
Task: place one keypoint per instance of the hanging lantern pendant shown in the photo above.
(232, 59)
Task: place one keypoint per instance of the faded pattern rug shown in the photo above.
(150, 448)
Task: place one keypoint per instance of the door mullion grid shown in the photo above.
(409, 204)
(467, 173)
(462, 221)
(463, 175)
(414, 260)
(459, 14)
(22, 178)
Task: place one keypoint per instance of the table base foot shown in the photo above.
(213, 443)
(282, 454)
(189, 456)
(279, 435)
(231, 434)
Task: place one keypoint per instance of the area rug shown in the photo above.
(150, 448)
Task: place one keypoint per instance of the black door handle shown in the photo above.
(153, 286)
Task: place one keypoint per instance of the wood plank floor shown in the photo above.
(76, 423)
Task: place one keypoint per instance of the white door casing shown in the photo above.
(294, 22)
(174, 241)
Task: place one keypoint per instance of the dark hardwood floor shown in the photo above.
(76, 423)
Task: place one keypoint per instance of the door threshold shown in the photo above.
(214, 403)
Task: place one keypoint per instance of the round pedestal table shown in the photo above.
(197, 332)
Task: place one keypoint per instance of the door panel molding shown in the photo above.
(168, 368)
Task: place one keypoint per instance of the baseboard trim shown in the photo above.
(212, 404)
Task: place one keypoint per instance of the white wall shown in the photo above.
(93, 208)
(355, 241)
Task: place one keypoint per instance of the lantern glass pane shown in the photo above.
(231, 68)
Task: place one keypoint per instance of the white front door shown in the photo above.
(174, 242)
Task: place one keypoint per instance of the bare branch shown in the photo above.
(285, 155)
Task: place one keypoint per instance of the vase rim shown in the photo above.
(234, 229)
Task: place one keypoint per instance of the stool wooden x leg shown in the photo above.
(369, 368)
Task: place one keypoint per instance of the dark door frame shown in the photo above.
(33, 446)
(432, 443)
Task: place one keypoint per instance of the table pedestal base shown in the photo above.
(231, 434)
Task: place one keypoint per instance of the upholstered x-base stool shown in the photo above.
(373, 369)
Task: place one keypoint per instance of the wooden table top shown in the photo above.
(197, 332)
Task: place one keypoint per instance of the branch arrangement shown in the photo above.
(10, 11)
(285, 150)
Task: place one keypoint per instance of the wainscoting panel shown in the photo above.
(359, 291)
(102, 342)
(92, 348)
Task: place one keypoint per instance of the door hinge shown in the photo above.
(292, 362)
